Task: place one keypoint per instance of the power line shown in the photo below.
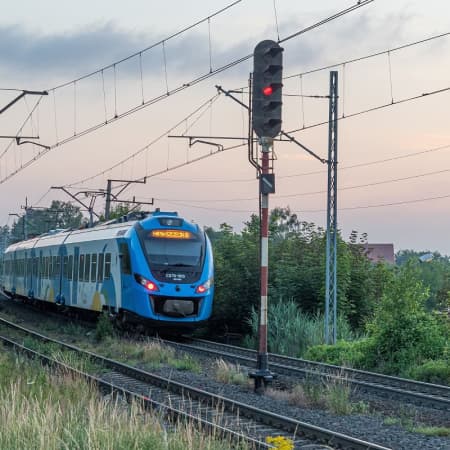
(158, 98)
(372, 55)
(375, 108)
(382, 205)
(133, 55)
(207, 103)
(345, 188)
(361, 58)
(349, 208)
(315, 172)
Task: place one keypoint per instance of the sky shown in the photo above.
(393, 162)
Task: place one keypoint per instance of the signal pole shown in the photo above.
(266, 123)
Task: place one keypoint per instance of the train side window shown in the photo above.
(52, 264)
(58, 266)
(101, 257)
(69, 267)
(94, 268)
(65, 266)
(75, 267)
(107, 266)
(87, 267)
(81, 267)
(125, 261)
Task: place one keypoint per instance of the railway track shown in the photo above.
(234, 420)
(416, 392)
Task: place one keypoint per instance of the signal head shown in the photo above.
(267, 88)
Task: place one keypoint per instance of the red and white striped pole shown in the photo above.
(262, 375)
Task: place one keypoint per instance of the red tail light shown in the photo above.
(150, 285)
(202, 288)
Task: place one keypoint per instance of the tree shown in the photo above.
(38, 221)
(403, 333)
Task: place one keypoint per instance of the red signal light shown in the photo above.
(267, 90)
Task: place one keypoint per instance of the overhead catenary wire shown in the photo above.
(204, 105)
(315, 172)
(344, 188)
(371, 55)
(132, 110)
(133, 55)
(29, 116)
(345, 208)
(375, 108)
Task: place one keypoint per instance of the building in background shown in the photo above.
(380, 252)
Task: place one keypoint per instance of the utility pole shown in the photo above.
(24, 218)
(110, 197)
(88, 193)
(331, 245)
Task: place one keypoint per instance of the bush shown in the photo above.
(437, 371)
(352, 354)
(104, 327)
(404, 334)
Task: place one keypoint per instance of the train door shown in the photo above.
(125, 272)
(75, 284)
(34, 278)
(29, 274)
(65, 278)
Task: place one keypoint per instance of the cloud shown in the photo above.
(50, 59)
(87, 48)
(59, 57)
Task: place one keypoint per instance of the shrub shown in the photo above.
(437, 371)
(404, 334)
(352, 354)
(104, 327)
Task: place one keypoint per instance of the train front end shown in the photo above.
(177, 273)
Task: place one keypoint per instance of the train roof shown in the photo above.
(109, 230)
(99, 232)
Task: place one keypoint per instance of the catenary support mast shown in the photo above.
(331, 245)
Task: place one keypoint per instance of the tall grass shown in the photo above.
(292, 331)
(40, 410)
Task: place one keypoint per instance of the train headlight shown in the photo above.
(150, 285)
(202, 288)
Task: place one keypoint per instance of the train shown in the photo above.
(157, 269)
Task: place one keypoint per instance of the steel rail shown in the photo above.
(147, 402)
(417, 392)
(287, 425)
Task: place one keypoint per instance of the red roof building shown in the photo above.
(380, 252)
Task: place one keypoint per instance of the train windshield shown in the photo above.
(174, 252)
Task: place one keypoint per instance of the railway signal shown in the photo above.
(267, 88)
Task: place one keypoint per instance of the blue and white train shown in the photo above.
(159, 268)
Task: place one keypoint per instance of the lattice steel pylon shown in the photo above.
(331, 245)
